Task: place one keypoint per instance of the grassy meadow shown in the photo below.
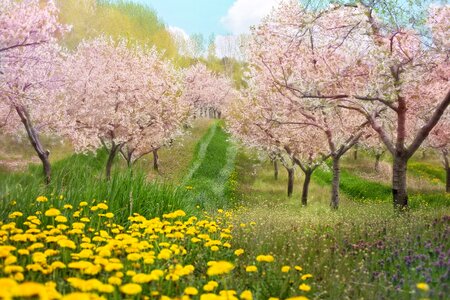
(213, 223)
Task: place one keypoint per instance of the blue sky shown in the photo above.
(221, 17)
(194, 16)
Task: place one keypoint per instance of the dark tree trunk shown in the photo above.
(377, 162)
(155, 160)
(399, 191)
(335, 184)
(446, 161)
(35, 141)
(219, 114)
(290, 181)
(112, 154)
(275, 169)
(355, 153)
(305, 190)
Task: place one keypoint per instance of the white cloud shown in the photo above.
(245, 13)
(178, 32)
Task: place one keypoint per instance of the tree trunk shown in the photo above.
(290, 181)
(33, 136)
(275, 169)
(112, 155)
(335, 184)
(447, 169)
(155, 160)
(219, 115)
(399, 191)
(377, 162)
(447, 186)
(355, 153)
(306, 187)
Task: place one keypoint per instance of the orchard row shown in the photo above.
(105, 93)
(321, 81)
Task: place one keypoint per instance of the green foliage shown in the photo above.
(136, 22)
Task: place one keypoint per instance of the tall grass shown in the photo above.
(80, 178)
(427, 170)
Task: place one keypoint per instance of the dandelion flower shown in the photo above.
(41, 199)
(265, 258)
(192, 291)
(251, 269)
(219, 267)
(306, 276)
(285, 269)
(131, 289)
(246, 295)
(52, 212)
(304, 287)
(239, 252)
(423, 286)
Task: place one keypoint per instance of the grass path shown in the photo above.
(200, 153)
(211, 171)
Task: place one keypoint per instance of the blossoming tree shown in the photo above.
(206, 90)
(120, 96)
(439, 139)
(29, 60)
(281, 63)
(346, 57)
(245, 122)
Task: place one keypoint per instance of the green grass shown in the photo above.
(367, 191)
(80, 178)
(211, 173)
(176, 159)
(364, 250)
(355, 187)
(427, 170)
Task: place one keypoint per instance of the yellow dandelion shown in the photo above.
(41, 199)
(131, 289)
(304, 287)
(423, 286)
(285, 269)
(251, 269)
(52, 212)
(246, 295)
(191, 291)
(239, 252)
(265, 258)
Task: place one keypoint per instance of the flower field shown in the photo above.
(79, 252)
(301, 151)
